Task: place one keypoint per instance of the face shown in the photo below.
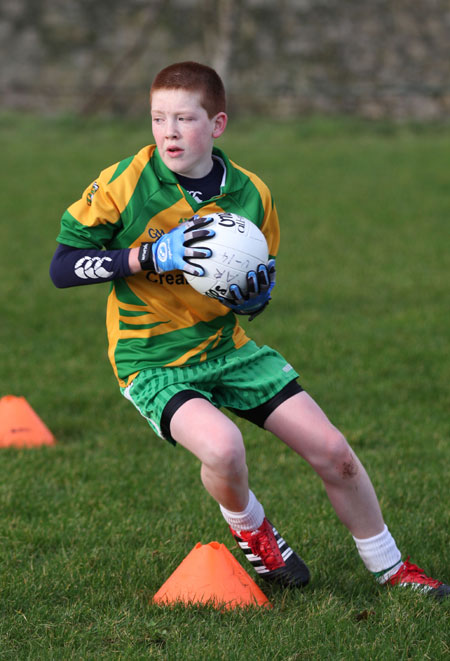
(183, 132)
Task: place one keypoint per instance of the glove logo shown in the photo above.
(91, 268)
(162, 252)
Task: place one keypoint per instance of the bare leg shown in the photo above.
(214, 439)
(304, 427)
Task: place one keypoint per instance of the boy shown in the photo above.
(179, 356)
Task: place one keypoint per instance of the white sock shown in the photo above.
(250, 519)
(380, 554)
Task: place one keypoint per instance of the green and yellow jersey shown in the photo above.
(159, 320)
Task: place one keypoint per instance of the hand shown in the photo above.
(172, 251)
(259, 285)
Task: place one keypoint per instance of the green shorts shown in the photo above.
(251, 381)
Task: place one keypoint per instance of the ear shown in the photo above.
(219, 124)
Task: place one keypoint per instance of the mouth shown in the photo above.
(174, 151)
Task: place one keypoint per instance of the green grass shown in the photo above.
(92, 527)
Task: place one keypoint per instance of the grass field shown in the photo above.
(92, 527)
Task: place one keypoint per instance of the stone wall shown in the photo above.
(373, 58)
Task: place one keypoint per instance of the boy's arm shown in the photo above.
(71, 267)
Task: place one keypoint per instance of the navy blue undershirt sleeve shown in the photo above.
(71, 266)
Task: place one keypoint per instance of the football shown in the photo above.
(238, 246)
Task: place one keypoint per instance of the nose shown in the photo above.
(172, 128)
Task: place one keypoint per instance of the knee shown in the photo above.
(226, 454)
(337, 458)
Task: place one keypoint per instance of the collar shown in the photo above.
(232, 179)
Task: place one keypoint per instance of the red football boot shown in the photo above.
(271, 557)
(412, 576)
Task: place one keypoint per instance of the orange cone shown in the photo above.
(20, 426)
(210, 574)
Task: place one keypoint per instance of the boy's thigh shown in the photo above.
(250, 381)
(157, 399)
(257, 382)
(205, 431)
(303, 425)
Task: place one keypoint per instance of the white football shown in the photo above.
(238, 246)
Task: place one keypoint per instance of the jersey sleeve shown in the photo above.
(71, 267)
(271, 228)
(270, 225)
(95, 218)
(260, 207)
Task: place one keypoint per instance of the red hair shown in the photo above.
(194, 77)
